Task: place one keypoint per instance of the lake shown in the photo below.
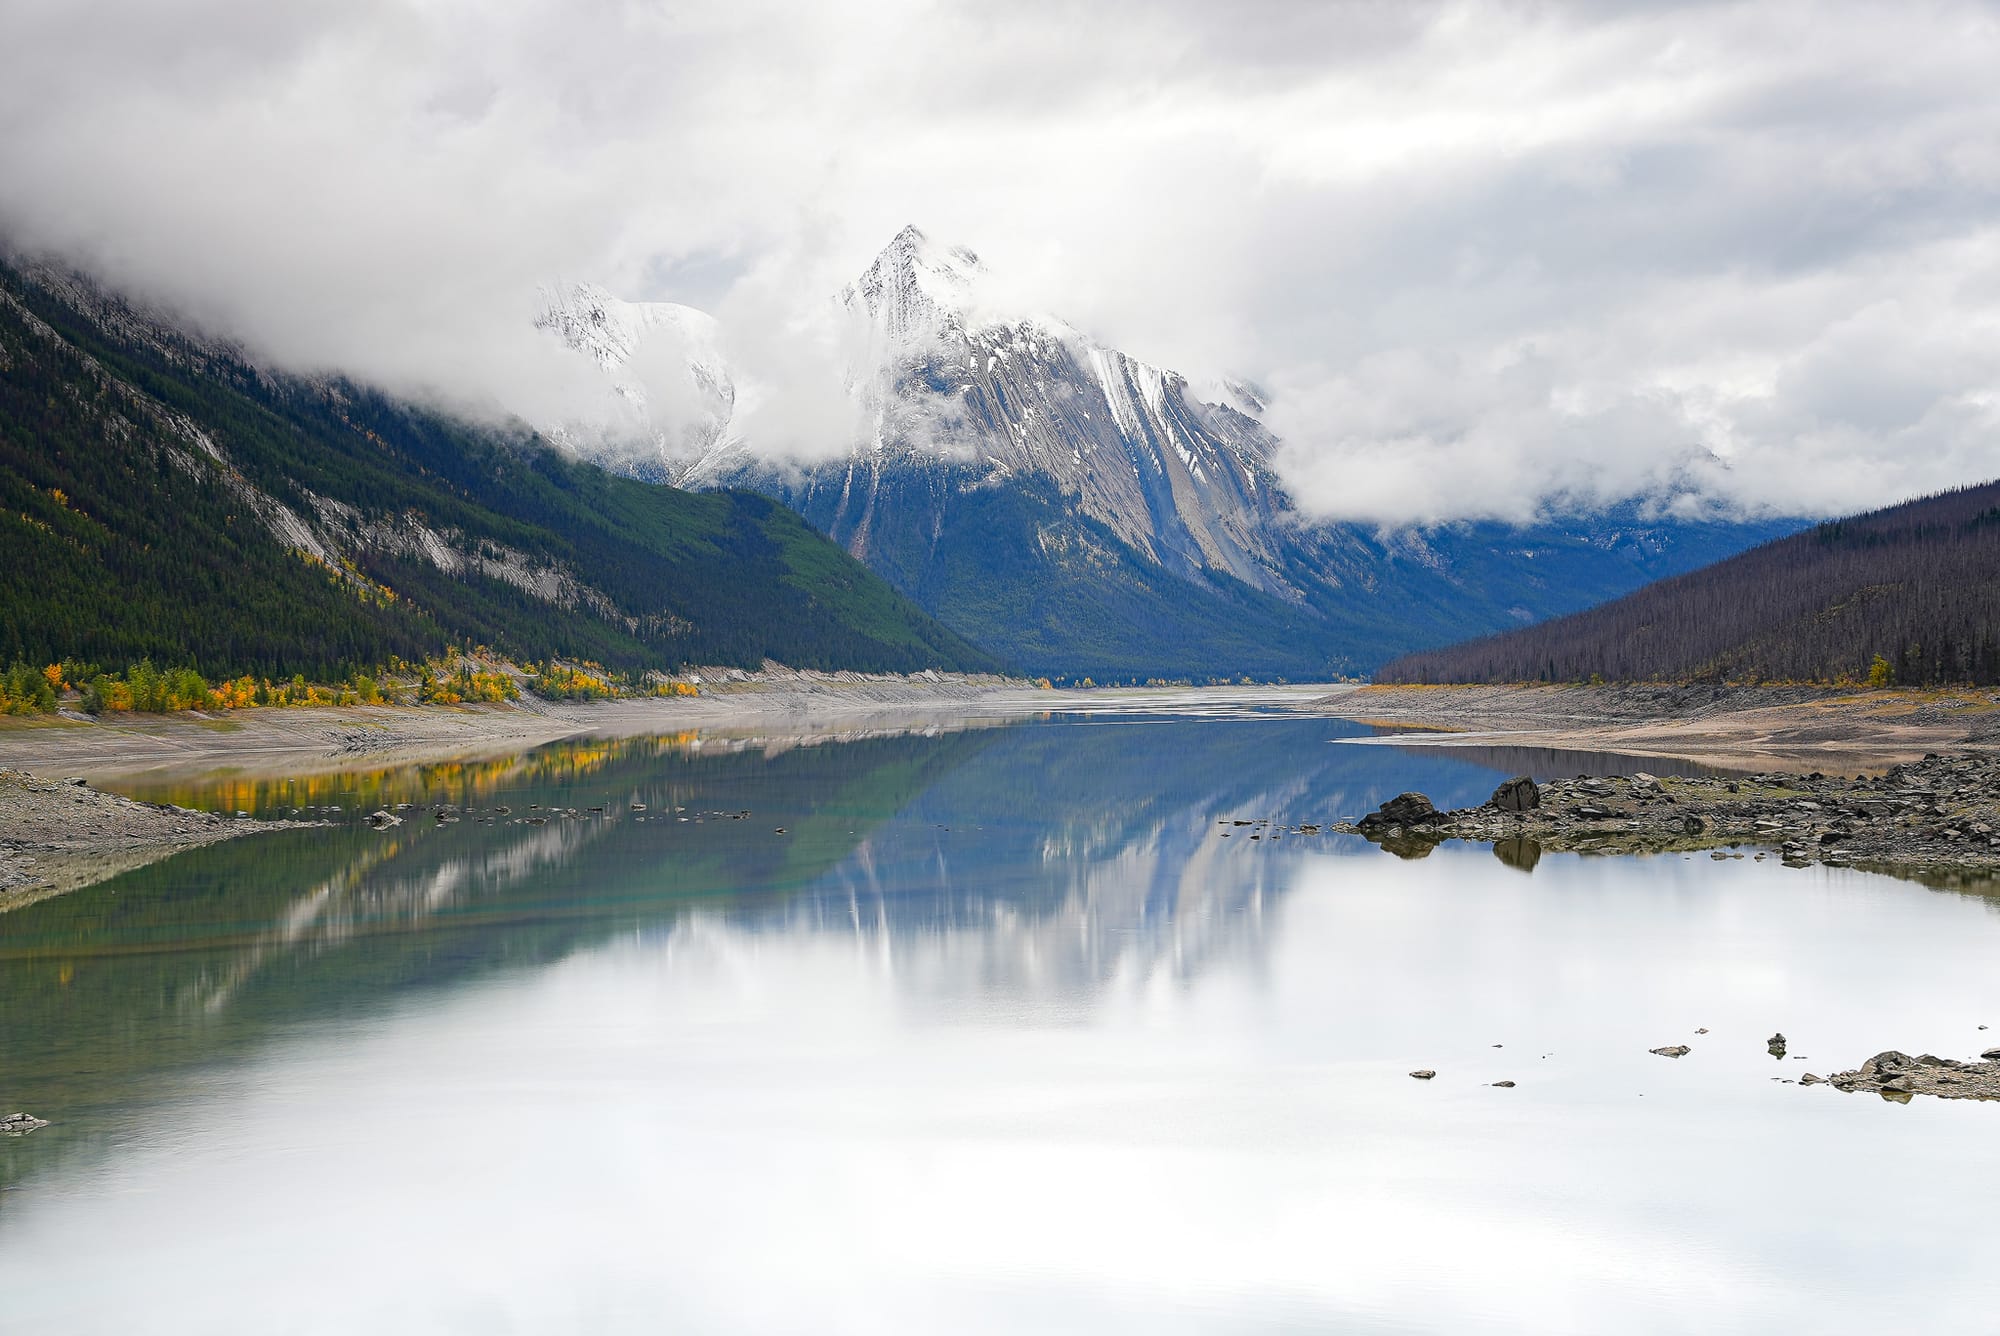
(996, 1028)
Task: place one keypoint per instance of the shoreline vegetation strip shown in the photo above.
(450, 679)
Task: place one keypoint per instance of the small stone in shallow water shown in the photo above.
(1672, 1051)
(20, 1124)
(1503, 1085)
(1423, 1073)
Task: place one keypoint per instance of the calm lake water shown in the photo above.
(988, 1030)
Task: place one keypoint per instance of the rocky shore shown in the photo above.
(58, 834)
(1939, 814)
(1898, 1076)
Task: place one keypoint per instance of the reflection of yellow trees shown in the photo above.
(459, 781)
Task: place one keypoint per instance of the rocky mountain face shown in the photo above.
(1080, 511)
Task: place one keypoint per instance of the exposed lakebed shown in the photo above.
(988, 1029)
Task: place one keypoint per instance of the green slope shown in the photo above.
(123, 536)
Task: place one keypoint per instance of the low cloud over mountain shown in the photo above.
(1479, 259)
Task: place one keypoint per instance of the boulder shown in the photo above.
(1991, 1054)
(1885, 1065)
(1423, 1073)
(1672, 1051)
(20, 1124)
(1519, 794)
(382, 819)
(1405, 809)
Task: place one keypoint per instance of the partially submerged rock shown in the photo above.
(20, 1124)
(1894, 1074)
(1405, 809)
(1672, 1051)
(1423, 1073)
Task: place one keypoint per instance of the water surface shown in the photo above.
(992, 1029)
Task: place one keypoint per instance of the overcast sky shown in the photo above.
(1480, 255)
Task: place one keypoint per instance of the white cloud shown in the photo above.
(1482, 254)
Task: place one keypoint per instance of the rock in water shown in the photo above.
(1503, 1085)
(1672, 1051)
(1519, 794)
(1775, 1045)
(382, 819)
(1991, 1055)
(1423, 1073)
(1405, 809)
(20, 1124)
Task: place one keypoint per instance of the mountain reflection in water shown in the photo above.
(989, 1028)
(1063, 852)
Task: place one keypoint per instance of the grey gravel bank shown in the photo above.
(59, 834)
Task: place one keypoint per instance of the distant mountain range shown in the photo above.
(1081, 512)
(1909, 595)
(161, 496)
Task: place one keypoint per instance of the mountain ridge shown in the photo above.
(1133, 501)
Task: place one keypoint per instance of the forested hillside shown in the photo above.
(161, 497)
(1909, 595)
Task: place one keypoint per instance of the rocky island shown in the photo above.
(1940, 814)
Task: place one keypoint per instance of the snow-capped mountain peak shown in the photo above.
(916, 288)
(951, 385)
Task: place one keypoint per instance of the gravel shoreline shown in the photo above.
(59, 834)
(302, 740)
(1791, 728)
